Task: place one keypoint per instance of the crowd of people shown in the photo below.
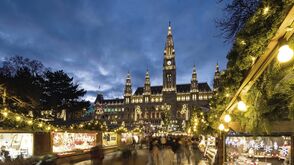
(169, 150)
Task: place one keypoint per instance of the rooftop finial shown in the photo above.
(169, 28)
(194, 69)
(217, 67)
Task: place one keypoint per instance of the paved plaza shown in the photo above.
(138, 157)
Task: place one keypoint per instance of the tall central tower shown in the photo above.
(169, 63)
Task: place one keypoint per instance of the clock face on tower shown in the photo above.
(168, 62)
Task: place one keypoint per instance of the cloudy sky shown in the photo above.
(98, 41)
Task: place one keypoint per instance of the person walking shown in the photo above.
(197, 152)
(179, 151)
(167, 156)
(155, 153)
(188, 150)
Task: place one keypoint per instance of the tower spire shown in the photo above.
(169, 32)
(194, 82)
(169, 44)
(147, 89)
(216, 67)
(216, 79)
(194, 74)
(128, 85)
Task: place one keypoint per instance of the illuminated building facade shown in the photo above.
(148, 103)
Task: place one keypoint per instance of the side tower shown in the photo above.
(216, 78)
(194, 85)
(147, 88)
(128, 89)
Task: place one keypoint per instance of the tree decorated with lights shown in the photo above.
(198, 123)
(271, 96)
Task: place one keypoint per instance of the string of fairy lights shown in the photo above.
(22, 121)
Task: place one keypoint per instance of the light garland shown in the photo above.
(25, 121)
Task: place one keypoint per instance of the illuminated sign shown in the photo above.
(13, 145)
(109, 139)
(259, 149)
(63, 141)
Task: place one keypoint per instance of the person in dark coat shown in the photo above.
(97, 155)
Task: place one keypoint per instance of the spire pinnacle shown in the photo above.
(147, 73)
(194, 74)
(217, 67)
(169, 32)
(169, 44)
(129, 75)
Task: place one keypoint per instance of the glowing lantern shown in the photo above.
(221, 127)
(242, 106)
(285, 53)
(227, 118)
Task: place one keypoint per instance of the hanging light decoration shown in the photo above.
(242, 106)
(227, 118)
(30, 122)
(265, 10)
(40, 125)
(48, 128)
(17, 118)
(285, 53)
(221, 127)
(5, 114)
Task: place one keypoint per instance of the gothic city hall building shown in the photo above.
(152, 105)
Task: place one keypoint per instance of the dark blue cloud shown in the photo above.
(97, 42)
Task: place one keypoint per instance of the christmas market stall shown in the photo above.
(253, 108)
(109, 139)
(14, 145)
(63, 142)
(258, 149)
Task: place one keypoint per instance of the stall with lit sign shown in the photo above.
(109, 139)
(68, 141)
(14, 145)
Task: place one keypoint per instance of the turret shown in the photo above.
(147, 89)
(194, 82)
(216, 79)
(128, 89)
